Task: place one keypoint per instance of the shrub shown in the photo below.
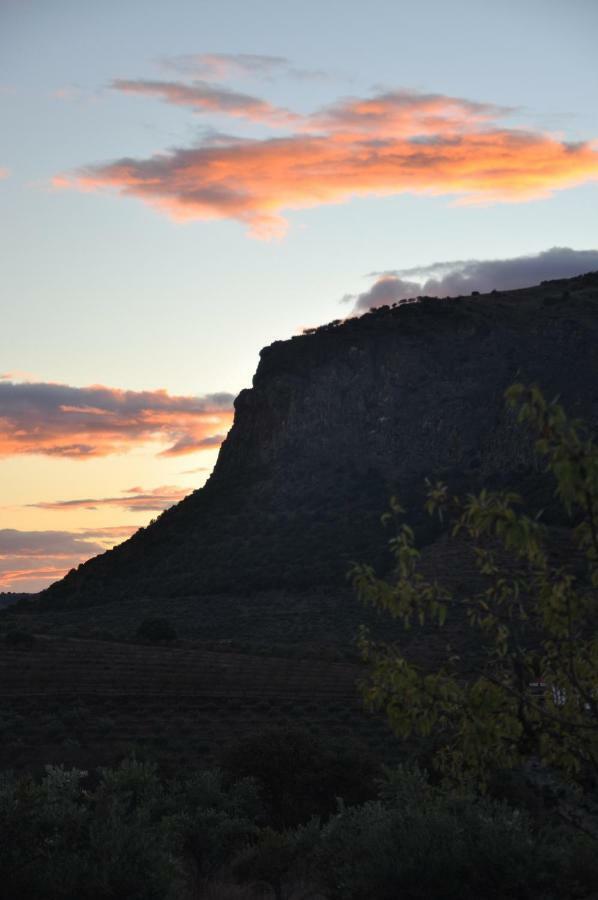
(64, 842)
(418, 842)
(213, 822)
(299, 775)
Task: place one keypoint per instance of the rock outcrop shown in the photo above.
(338, 420)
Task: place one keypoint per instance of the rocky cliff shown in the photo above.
(338, 420)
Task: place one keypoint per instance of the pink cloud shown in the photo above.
(60, 420)
(134, 499)
(202, 97)
(30, 560)
(392, 143)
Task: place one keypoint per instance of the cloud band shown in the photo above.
(60, 420)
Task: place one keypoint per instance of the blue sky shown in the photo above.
(101, 288)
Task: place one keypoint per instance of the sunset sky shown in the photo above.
(183, 183)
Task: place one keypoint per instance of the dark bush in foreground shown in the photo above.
(126, 834)
(300, 775)
(64, 842)
(156, 629)
(424, 843)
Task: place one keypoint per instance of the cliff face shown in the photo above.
(338, 420)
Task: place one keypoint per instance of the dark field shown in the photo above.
(86, 692)
(89, 702)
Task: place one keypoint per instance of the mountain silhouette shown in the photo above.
(341, 418)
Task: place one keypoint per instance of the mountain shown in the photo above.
(341, 418)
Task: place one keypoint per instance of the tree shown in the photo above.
(533, 690)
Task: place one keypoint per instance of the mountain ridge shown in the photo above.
(340, 418)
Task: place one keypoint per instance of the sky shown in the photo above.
(183, 183)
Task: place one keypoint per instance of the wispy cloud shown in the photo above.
(34, 576)
(404, 113)
(109, 534)
(220, 66)
(387, 144)
(60, 420)
(450, 279)
(134, 499)
(30, 560)
(4, 172)
(202, 97)
(58, 544)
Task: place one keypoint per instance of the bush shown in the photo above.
(126, 834)
(419, 842)
(300, 775)
(156, 629)
(213, 822)
(64, 842)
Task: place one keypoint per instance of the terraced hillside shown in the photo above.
(88, 702)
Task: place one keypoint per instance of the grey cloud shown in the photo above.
(56, 544)
(55, 397)
(201, 96)
(446, 279)
(388, 289)
(134, 499)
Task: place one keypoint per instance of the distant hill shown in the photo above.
(7, 598)
(339, 419)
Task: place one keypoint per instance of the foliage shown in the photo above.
(213, 822)
(418, 842)
(64, 841)
(299, 775)
(124, 833)
(533, 691)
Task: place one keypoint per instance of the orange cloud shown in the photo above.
(60, 420)
(406, 114)
(4, 172)
(393, 143)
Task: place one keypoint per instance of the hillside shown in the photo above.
(90, 702)
(339, 419)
